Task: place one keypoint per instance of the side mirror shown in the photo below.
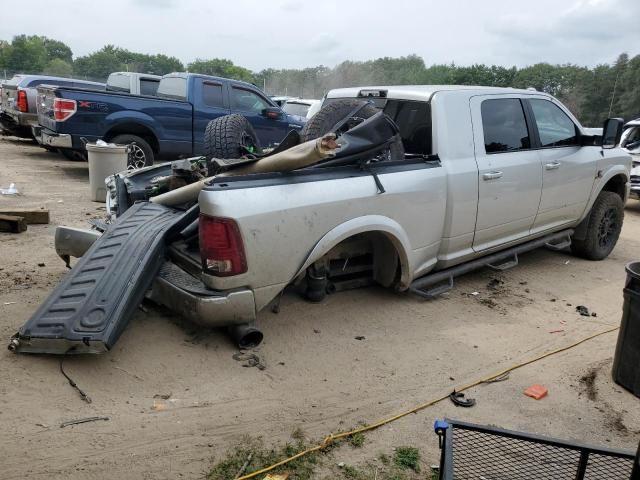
(611, 132)
(272, 113)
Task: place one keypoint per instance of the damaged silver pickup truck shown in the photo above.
(406, 186)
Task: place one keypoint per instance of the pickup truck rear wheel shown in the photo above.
(231, 136)
(604, 224)
(328, 117)
(142, 154)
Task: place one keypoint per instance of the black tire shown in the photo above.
(73, 155)
(231, 136)
(604, 223)
(329, 115)
(142, 155)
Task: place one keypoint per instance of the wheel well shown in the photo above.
(616, 184)
(134, 129)
(385, 257)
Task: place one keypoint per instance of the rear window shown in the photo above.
(173, 87)
(412, 117)
(296, 108)
(504, 125)
(414, 121)
(149, 86)
(212, 94)
(118, 83)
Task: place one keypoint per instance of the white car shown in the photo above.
(302, 107)
(630, 141)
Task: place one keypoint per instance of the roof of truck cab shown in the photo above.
(208, 77)
(423, 92)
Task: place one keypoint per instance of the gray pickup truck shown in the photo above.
(464, 177)
(18, 100)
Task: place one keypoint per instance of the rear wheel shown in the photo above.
(603, 227)
(141, 155)
(331, 114)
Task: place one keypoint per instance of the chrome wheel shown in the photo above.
(137, 158)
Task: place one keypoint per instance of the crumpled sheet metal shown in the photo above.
(300, 156)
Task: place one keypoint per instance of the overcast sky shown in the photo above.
(301, 33)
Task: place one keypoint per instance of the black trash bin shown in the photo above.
(626, 363)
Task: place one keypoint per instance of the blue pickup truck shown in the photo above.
(168, 125)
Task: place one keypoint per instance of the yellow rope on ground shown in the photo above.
(337, 436)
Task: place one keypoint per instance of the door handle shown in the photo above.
(552, 166)
(491, 175)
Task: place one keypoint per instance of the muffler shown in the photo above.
(245, 335)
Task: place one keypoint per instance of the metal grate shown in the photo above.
(473, 452)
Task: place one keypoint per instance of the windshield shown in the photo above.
(296, 108)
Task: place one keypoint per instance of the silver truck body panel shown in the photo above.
(297, 216)
(435, 217)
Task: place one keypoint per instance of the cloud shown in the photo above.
(590, 31)
(292, 6)
(156, 3)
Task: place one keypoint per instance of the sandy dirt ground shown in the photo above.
(318, 377)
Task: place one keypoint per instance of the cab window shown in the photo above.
(212, 94)
(247, 101)
(504, 125)
(555, 128)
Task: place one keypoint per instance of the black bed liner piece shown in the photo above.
(88, 311)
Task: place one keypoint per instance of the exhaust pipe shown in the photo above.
(245, 335)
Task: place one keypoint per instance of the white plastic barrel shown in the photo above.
(104, 160)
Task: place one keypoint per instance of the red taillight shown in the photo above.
(23, 104)
(63, 109)
(221, 246)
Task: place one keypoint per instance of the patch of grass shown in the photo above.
(299, 469)
(370, 471)
(407, 457)
(352, 473)
(298, 435)
(357, 440)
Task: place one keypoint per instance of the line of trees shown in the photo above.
(592, 94)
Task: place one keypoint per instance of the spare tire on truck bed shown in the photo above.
(231, 136)
(333, 113)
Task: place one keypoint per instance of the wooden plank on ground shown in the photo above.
(13, 224)
(30, 215)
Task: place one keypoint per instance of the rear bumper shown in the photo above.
(9, 124)
(58, 140)
(177, 290)
(174, 288)
(22, 119)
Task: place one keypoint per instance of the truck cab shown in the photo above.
(133, 83)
